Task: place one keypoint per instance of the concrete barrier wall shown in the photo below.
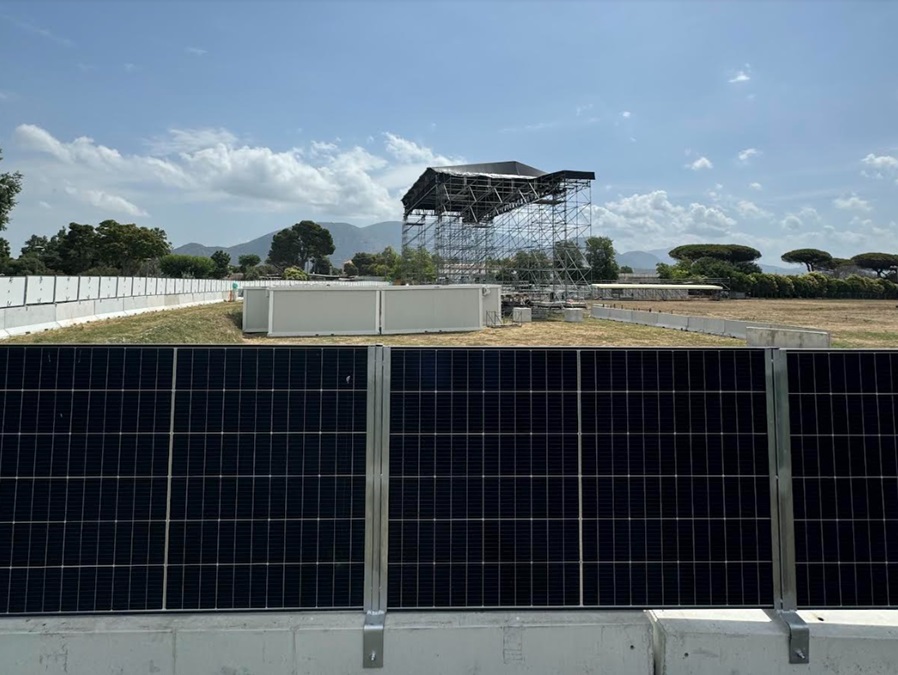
(781, 337)
(669, 642)
(696, 324)
(37, 318)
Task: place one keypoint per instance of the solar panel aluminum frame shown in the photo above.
(377, 491)
(782, 527)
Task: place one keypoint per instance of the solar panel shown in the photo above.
(844, 441)
(563, 477)
(268, 479)
(140, 479)
(83, 463)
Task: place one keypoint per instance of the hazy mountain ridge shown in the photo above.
(352, 239)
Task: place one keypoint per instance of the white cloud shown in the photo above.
(742, 75)
(39, 31)
(198, 165)
(700, 163)
(580, 109)
(880, 161)
(748, 209)
(791, 222)
(852, 203)
(626, 114)
(652, 217)
(106, 202)
(808, 213)
(748, 153)
(755, 186)
(44, 205)
(196, 51)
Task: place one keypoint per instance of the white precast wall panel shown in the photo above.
(255, 310)
(306, 312)
(12, 291)
(66, 289)
(492, 305)
(39, 290)
(139, 286)
(108, 287)
(431, 309)
(88, 288)
(123, 289)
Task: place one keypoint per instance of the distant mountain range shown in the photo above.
(348, 240)
(351, 239)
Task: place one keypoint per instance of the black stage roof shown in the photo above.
(478, 192)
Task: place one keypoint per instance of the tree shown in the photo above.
(812, 258)
(731, 253)
(126, 245)
(295, 274)
(365, 263)
(569, 260)
(322, 265)
(73, 251)
(416, 266)
(600, 258)
(187, 266)
(10, 186)
(626, 269)
(296, 246)
(880, 263)
(247, 261)
(222, 262)
(35, 246)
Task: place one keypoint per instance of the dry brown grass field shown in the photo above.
(852, 323)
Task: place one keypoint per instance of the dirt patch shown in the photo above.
(852, 323)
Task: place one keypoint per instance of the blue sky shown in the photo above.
(766, 123)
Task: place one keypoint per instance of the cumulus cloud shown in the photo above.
(106, 202)
(196, 51)
(742, 75)
(626, 114)
(791, 222)
(755, 186)
(747, 154)
(852, 203)
(653, 217)
(748, 209)
(700, 163)
(212, 164)
(880, 161)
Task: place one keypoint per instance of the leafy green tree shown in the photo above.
(25, 265)
(248, 260)
(187, 266)
(731, 253)
(296, 246)
(35, 246)
(415, 266)
(812, 258)
(322, 265)
(73, 251)
(296, 274)
(350, 270)
(365, 263)
(880, 263)
(10, 187)
(387, 260)
(222, 262)
(600, 256)
(569, 260)
(125, 245)
(626, 269)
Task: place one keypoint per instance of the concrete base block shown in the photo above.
(29, 319)
(700, 642)
(673, 321)
(781, 337)
(521, 314)
(304, 643)
(573, 315)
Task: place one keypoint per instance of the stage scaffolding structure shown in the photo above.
(502, 222)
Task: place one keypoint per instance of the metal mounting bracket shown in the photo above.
(799, 635)
(373, 640)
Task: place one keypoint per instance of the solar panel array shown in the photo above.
(564, 477)
(192, 478)
(844, 441)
